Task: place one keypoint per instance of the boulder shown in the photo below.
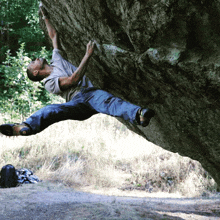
(163, 54)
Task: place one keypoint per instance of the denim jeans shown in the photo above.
(86, 103)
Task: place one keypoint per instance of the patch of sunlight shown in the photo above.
(135, 193)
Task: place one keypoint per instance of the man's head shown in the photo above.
(36, 70)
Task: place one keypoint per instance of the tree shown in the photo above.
(21, 40)
(19, 22)
(20, 96)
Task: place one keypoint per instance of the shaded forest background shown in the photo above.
(21, 40)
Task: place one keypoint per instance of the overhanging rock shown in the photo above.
(163, 54)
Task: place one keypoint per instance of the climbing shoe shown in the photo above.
(145, 116)
(15, 129)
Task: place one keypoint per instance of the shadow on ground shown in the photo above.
(55, 201)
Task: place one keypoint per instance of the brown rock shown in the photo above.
(163, 54)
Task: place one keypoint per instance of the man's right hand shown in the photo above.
(43, 10)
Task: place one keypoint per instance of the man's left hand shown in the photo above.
(90, 48)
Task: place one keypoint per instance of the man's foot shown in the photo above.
(145, 116)
(15, 129)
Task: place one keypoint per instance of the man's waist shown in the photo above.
(74, 93)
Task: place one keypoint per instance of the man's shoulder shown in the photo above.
(58, 55)
(57, 51)
(51, 83)
(56, 73)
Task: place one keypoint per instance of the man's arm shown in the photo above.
(51, 30)
(67, 82)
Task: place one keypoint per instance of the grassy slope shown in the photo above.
(100, 153)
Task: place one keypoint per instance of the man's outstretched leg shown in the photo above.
(106, 103)
(74, 109)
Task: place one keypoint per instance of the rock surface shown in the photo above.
(163, 54)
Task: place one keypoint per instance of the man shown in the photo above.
(82, 99)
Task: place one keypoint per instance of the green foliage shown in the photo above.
(19, 22)
(21, 39)
(19, 95)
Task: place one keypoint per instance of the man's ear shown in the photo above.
(35, 72)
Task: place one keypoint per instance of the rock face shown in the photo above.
(163, 54)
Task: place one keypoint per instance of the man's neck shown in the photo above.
(47, 70)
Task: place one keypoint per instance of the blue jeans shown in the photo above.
(86, 103)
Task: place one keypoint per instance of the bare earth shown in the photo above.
(53, 201)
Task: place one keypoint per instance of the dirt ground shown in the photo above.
(47, 200)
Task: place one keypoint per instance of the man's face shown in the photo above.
(37, 64)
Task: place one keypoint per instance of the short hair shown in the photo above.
(32, 77)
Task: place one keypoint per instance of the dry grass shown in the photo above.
(100, 153)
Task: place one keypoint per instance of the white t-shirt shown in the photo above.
(62, 68)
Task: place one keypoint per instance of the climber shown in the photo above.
(82, 99)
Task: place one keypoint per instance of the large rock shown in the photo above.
(163, 54)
